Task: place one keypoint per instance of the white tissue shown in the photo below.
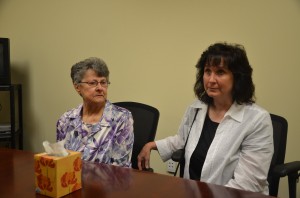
(55, 149)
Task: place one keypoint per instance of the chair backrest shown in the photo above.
(280, 129)
(145, 119)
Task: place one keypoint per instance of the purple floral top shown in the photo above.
(109, 141)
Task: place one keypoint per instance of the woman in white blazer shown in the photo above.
(227, 138)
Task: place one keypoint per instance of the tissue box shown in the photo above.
(57, 176)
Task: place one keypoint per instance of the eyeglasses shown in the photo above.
(95, 83)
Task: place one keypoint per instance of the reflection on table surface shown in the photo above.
(101, 180)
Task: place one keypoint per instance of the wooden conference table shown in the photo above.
(100, 180)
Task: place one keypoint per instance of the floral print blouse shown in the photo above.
(109, 141)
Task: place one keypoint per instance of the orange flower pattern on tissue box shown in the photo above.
(57, 176)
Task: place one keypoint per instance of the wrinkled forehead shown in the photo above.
(216, 61)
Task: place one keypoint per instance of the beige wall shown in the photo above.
(151, 48)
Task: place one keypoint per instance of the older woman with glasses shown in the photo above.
(103, 132)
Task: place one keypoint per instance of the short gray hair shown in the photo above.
(98, 65)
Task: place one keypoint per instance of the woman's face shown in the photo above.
(218, 82)
(90, 92)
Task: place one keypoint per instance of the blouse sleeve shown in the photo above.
(123, 142)
(256, 154)
(60, 129)
(168, 145)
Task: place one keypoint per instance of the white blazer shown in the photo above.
(240, 153)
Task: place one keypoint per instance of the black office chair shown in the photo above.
(277, 168)
(145, 124)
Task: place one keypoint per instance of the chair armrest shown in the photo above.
(177, 156)
(283, 170)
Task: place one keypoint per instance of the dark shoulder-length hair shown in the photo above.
(235, 58)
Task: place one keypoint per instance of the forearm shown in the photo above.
(151, 146)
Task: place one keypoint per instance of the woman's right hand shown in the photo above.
(144, 156)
